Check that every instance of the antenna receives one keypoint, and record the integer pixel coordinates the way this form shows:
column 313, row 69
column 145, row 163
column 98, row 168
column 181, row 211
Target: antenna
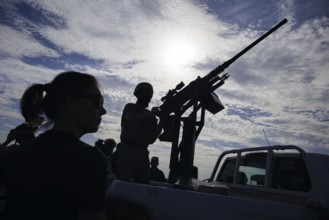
column 266, row 138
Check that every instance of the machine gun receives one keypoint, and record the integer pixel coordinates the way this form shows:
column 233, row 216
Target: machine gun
column 198, row 94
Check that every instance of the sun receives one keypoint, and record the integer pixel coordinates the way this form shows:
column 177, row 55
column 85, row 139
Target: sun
column 178, row 52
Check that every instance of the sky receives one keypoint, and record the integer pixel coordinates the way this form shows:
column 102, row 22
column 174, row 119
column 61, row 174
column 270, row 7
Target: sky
column 279, row 88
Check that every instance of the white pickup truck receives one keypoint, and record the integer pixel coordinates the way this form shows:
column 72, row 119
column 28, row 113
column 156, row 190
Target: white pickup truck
column 278, row 182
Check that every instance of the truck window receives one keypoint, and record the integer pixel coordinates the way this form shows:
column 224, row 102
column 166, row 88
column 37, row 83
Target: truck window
column 254, row 166
column 255, row 176
column 226, row 174
column 251, row 171
column 290, row 174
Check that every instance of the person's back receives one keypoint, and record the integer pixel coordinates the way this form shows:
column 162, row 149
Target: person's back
column 143, row 132
column 157, row 175
column 52, row 177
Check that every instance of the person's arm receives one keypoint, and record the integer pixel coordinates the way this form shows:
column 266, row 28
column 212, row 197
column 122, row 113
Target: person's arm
column 10, row 137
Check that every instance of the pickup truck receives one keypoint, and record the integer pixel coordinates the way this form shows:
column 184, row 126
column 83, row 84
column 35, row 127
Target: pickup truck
column 275, row 182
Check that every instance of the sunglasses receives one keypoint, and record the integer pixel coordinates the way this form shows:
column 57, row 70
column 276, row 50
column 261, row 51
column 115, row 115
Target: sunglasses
column 97, row 99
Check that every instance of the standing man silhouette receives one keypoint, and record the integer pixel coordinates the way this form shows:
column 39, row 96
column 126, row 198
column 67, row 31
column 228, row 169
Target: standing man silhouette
column 139, row 129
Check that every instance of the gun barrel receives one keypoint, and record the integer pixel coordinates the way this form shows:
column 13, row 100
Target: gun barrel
column 226, row 64
column 174, row 100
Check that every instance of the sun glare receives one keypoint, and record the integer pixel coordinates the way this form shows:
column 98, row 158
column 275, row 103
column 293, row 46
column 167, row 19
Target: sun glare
column 178, row 53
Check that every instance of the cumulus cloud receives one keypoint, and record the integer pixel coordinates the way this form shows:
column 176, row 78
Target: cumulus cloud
column 281, row 85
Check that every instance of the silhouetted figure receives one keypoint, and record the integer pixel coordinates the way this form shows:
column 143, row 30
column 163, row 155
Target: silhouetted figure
column 139, row 129
column 57, row 176
column 156, row 173
column 22, row 134
column 25, row 131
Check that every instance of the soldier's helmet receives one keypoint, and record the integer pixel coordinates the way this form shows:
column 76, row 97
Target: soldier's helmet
column 143, row 86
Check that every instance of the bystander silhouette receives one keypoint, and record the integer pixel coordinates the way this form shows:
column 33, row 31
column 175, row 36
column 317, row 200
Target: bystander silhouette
column 156, row 173
column 57, row 176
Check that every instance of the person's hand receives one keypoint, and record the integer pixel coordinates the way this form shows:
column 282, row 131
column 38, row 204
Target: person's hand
column 155, row 111
column 11, row 136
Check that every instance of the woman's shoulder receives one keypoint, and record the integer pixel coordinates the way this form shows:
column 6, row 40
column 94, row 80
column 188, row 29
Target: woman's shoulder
column 60, row 139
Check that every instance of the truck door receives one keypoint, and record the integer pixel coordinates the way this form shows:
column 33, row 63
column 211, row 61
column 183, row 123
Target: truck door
column 284, row 195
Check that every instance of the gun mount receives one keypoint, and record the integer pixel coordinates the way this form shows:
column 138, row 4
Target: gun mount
column 197, row 95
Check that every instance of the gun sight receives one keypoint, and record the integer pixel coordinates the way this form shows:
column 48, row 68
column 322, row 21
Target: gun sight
column 172, row 92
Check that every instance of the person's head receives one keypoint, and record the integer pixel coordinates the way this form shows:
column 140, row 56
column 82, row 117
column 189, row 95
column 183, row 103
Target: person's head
column 72, row 98
column 106, row 146
column 154, row 161
column 110, row 143
column 144, row 93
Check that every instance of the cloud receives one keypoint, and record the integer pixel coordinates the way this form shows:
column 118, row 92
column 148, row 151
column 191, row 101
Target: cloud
column 281, row 85
column 16, row 42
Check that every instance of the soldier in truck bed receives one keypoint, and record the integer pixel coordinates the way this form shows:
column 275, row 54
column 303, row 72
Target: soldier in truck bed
column 139, row 129
column 156, row 173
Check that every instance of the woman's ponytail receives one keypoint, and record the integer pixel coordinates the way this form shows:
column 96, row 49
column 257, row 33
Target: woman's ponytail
column 32, row 102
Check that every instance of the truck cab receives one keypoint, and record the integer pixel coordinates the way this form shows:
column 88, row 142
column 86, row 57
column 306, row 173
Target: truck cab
column 266, row 168
column 282, row 179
